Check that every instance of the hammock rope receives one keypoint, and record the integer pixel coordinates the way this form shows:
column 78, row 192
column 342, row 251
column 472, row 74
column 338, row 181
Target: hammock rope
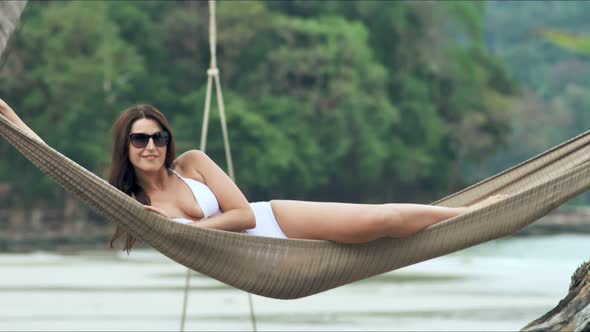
column 213, row 75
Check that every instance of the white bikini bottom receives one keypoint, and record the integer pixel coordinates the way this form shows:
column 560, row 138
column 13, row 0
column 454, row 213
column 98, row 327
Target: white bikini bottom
column 266, row 223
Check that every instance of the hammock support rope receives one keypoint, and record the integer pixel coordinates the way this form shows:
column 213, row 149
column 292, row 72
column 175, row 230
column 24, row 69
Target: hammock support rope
column 292, row 268
column 213, row 74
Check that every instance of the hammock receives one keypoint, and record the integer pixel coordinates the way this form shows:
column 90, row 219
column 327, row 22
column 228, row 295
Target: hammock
column 288, row 268
column 291, row 268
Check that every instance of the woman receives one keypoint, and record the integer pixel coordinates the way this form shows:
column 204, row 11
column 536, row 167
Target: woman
column 192, row 189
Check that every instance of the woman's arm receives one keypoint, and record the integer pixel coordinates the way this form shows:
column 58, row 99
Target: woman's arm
column 237, row 214
column 235, row 220
column 6, row 111
column 232, row 220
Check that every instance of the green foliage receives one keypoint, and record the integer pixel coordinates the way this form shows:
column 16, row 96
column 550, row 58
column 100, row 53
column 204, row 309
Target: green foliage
column 546, row 46
column 70, row 84
column 366, row 101
column 568, row 41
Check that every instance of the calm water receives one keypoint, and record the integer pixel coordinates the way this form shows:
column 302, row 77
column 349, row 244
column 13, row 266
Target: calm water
column 500, row 285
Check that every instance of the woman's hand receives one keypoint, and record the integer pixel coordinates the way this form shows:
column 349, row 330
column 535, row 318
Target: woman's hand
column 4, row 107
column 158, row 211
column 8, row 113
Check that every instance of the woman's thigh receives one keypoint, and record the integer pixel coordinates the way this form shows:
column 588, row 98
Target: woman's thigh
column 341, row 222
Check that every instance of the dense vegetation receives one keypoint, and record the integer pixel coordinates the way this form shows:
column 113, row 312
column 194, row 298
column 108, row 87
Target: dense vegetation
column 360, row 101
column 555, row 103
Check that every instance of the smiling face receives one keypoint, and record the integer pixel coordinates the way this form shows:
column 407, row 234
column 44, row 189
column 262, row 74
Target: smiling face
column 127, row 160
column 150, row 158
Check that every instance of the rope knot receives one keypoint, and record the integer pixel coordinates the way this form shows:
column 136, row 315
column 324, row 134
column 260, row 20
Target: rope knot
column 212, row 72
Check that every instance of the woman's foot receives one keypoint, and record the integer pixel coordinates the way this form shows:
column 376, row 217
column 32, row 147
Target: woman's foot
column 488, row 201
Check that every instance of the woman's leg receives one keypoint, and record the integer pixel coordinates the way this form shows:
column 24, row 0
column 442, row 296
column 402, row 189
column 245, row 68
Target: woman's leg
column 356, row 223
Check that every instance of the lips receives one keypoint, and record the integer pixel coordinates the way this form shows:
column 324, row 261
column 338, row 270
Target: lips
column 150, row 157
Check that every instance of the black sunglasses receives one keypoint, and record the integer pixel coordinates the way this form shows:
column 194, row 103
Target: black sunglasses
column 140, row 140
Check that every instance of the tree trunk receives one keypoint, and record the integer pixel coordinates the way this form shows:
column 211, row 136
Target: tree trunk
column 9, row 14
column 573, row 312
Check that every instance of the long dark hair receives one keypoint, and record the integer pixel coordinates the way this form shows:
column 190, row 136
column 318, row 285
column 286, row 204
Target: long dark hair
column 121, row 172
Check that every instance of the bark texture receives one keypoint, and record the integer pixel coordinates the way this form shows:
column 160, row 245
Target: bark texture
column 9, row 15
column 573, row 312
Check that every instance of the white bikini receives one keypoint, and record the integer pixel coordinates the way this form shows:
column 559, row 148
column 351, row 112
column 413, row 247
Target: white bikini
column 266, row 223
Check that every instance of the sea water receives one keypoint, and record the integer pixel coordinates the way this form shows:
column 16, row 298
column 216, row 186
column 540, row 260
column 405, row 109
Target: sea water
column 500, row 285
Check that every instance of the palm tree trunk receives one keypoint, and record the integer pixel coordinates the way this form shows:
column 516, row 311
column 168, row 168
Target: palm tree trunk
column 9, row 14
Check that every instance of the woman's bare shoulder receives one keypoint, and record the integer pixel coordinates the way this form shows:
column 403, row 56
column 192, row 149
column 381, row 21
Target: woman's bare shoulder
column 187, row 164
column 189, row 158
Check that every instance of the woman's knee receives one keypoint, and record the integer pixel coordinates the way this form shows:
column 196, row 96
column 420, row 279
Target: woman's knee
column 397, row 223
column 380, row 219
column 369, row 225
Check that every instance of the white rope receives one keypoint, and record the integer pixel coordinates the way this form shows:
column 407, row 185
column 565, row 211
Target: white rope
column 213, row 74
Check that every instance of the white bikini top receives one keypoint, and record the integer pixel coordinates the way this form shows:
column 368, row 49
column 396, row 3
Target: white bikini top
column 204, row 196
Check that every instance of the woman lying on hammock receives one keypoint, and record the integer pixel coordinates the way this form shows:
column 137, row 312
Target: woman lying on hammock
column 192, row 189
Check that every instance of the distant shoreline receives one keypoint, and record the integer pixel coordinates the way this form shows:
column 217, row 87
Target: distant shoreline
column 561, row 221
